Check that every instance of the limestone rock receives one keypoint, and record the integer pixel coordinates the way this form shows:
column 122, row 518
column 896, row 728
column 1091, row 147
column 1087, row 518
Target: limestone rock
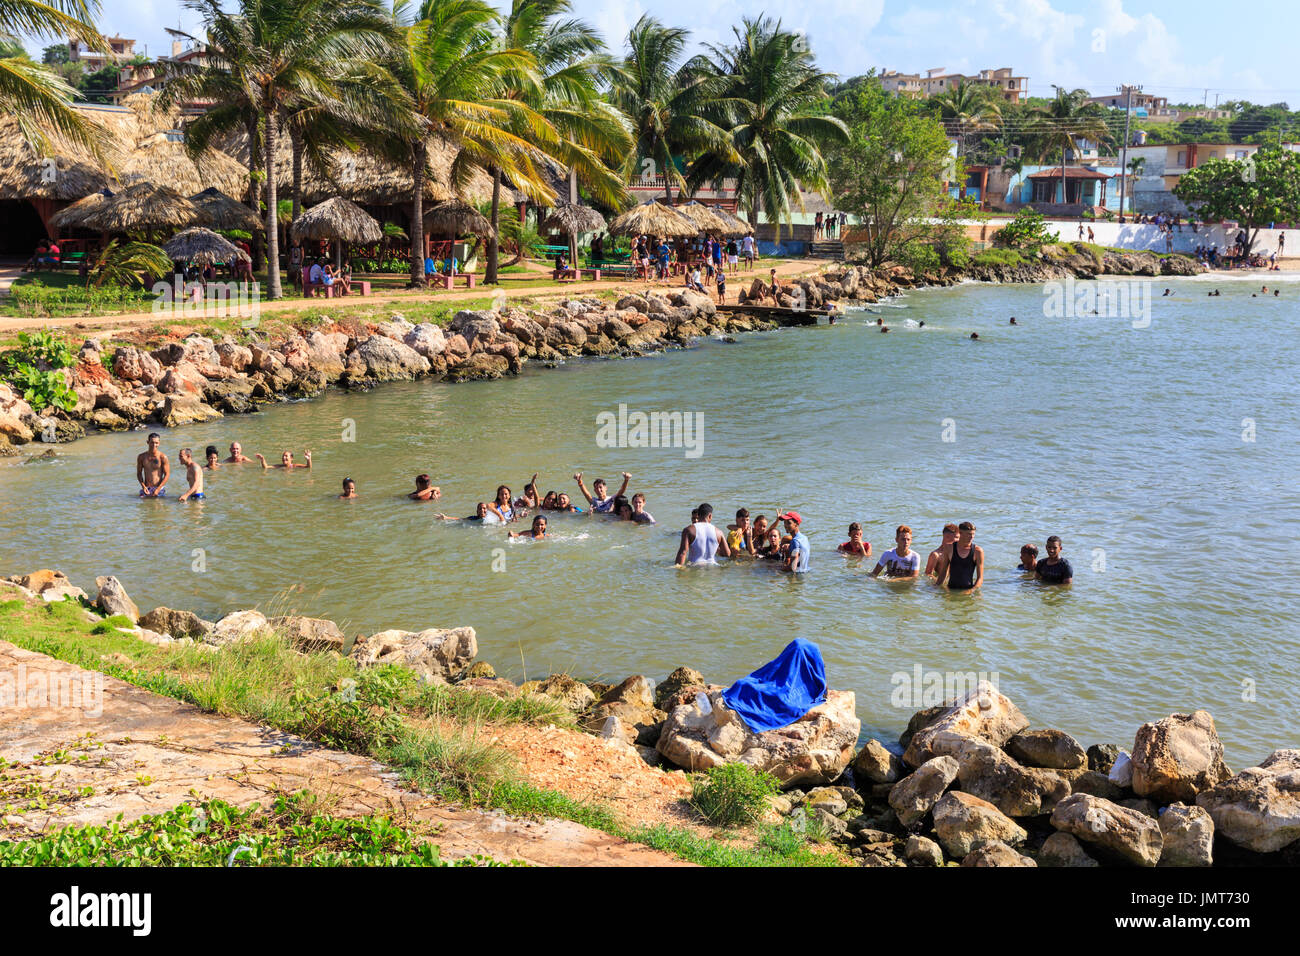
column 990, row 774
column 1102, row 757
column 1176, row 758
column 573, row 694
column 236, row 626
column 814, row 749
column 963, row 822
column 1052, row 749
column 914, row 795
column 385, row 360
column 996, row 853
column 633, row 702
column 1259, row 808
column 479, row 669
column 679, row 687
column 177, row 623
column 1121, row 771
column 309, row 634
column 1188, row 836
column 876, row 763
column 1062, row 849
column 1131, row 836
column 180, row 410
column 43, row 580
column 437, row 655
column 921, row 851
column 983, row 713
column 113, row 599
column 427, row 339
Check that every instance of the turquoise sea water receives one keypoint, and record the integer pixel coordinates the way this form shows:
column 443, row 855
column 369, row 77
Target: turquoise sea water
column 1127, row 442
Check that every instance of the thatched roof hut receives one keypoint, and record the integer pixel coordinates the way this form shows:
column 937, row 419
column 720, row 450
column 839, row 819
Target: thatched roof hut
column 202, row 246
column 456, row 218
column 337, row 218
column 224, row 212
column 735, row 225
column 699, row 214
column 146, row 208
column 571, row 219
column 653, row 218
column 75, row 215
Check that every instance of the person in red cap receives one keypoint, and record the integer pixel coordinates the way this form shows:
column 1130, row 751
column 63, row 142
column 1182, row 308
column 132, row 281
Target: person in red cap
column 798, row 552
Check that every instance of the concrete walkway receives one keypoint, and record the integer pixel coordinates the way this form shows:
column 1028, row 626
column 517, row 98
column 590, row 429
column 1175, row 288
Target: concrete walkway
column 146, row 754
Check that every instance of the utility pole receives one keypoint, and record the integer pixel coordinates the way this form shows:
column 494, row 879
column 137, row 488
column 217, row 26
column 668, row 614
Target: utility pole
column 1123, row 160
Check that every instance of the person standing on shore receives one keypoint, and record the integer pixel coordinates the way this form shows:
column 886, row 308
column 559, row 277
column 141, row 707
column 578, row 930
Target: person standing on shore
column 701, row 541
column 152, row 469
column 962, row 566
column 1054, row 569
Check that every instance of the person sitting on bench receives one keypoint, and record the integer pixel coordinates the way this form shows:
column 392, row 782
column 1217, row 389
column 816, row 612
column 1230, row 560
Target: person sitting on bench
column 430, row 269
column 562, row 268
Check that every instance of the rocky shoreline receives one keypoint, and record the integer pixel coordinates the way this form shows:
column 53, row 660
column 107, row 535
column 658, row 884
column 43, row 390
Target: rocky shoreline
column 198, row 379
column 968, row 783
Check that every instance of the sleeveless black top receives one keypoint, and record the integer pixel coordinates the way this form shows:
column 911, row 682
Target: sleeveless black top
column 961, row 571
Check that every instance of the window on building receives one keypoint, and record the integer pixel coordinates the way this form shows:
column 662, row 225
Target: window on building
column 1182, row 157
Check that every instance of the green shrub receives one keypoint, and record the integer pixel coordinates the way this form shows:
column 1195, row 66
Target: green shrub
column 998, row 257
column 733, row 794
column 920, row 257
column 1027, row 231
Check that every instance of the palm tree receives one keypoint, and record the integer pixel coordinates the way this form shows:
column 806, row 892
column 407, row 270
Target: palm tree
column 666, row 101
column 1062, row 124
column 592, row 138
column 966, row 108
column 454, row 70
column 290, row 51
column 38, row 99
column 774, row 105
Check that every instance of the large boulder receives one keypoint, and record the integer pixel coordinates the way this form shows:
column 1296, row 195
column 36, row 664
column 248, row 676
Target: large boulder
column 183, row 378
column 876, row 763
column 963, row 822
column 813, row 750
column 679, row 687
column 1176, row 758
column 633, row 703
column 309, row 634
column 996, row 853
column 14, row 415
column 113, row 599
column 427, row 339
column 990, row 774
column 914, row 796
column 982, row 713
column 1188, row 836
column 573, row 694
column 325, row 353
column 180, row 410
column 236, row 626
column 1115, row 831
column 1259, row 808
column 1063, row 849
column 178, row 624
column 1053, row 749
column 479, row 329
column 382, row 359
column 133, row 365
column 438, row 655
column 234, row 356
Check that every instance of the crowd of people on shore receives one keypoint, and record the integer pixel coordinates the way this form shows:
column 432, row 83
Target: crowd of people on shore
column 703, row 263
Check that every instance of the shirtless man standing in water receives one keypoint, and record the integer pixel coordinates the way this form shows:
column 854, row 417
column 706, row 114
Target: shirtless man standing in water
column 193, row 475
column 152, row 469
column 962, row 564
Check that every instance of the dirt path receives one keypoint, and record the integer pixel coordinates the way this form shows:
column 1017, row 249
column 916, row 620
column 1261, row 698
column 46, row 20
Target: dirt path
column 510, row 285
column 147, row 753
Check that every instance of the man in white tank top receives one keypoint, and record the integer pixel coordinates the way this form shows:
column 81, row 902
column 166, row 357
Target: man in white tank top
column 701, row 541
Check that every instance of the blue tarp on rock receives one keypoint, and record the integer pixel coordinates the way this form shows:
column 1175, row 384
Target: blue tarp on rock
column 781, row 691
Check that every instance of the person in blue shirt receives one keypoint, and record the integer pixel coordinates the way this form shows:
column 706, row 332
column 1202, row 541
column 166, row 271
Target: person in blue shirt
column 430, row 267
column 796, row 558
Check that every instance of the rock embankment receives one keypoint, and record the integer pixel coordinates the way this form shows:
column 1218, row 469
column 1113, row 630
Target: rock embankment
column 969, row 782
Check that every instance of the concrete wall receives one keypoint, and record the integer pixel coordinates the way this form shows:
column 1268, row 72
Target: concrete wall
column 1130, row 236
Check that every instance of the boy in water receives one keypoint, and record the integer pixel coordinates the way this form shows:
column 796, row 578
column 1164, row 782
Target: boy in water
column 425, row 490
column 193, row 474
column 1054, row 569
column 798, row 552
column 477, row 517
column 1028, row 558
column 237, row 455
column 599, row 498
column 152, row 469
column 899, row 561
column 855, row 545
column 948, row 537
column 740, row 535
column 701, row 541
column 639, row 514
column 537, row 531
column 286, row 461
column 962, row 565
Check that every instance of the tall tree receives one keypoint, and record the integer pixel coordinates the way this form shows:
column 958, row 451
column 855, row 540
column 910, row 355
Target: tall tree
column 666, row 100
column 1261, row 189
column 967, row 108
column 774, row 107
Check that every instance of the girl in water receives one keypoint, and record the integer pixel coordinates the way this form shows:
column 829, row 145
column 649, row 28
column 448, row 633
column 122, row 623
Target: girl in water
column 500, row 507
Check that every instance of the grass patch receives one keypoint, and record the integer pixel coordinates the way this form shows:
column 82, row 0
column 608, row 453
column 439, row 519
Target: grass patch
column 733, row 794
column 998, row 257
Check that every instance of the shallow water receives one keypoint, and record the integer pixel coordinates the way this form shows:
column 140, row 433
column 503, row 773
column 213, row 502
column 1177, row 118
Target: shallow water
column 1126, row 442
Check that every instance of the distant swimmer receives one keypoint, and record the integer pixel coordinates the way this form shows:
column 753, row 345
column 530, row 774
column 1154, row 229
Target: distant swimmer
column 1013, row 320
column 1165, row 293
column 152, row 469
column 237, row 455
column 884, row 328
column 286, row 461
column 349, row 489
column 921, row 324
column 765, row 538
column 701, row 541
column 536, row 532
column 899, row 561
column 740, row 536
column 213, row 458
column 500, row 506
column 639, row 514
column 193, row 475
column 601, row 501
column 880, row 321
column 974, row 335
column 1054, row 569
column 425, row 489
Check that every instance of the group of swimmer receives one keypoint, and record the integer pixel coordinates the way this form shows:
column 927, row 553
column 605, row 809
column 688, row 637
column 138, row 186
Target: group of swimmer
column 153, row 469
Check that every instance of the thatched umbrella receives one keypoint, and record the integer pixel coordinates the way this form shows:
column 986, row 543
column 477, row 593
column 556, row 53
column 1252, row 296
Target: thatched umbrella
column 339, row 221
column 225, row 212
column 145, row 208
column 202, row 246
column 735, row 225
column 653, row 218
column 699, row 214
column 456, row 218
column 75, row 215
column 573, row 219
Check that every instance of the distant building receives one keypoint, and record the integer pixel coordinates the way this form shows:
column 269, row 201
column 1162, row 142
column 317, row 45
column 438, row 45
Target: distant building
column 152, row 77
column 119, row 49
column 1156, row 109
column 1004, row 82
column 1164, row 166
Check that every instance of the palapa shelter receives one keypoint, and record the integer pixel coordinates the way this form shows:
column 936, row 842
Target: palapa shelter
column 735, row 225
column 74, row 216
column 653, row 218
column 223, row 212
column 203, row 247
column 145, row 208
column 573, row 219
column 337, row 220
column 455, row 218
column 699, row 214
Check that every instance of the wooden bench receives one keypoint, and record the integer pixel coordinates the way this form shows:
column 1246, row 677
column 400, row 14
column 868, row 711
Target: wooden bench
column 550, row 252
column 449, row 281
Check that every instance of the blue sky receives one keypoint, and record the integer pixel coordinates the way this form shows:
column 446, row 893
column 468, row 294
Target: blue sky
column 1174, row 48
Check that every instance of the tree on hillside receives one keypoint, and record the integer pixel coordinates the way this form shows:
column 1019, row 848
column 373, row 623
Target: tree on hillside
column 891, row 170
column 967, row 108
column 1261, row 189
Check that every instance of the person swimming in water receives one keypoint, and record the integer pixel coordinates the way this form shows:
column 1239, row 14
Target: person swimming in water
column 537, row 531
column 213, row 458
column 425, row 489
column 193, row 474
column 152, row 469
column 639, row 514
column 600, row 500
column 701, row 542
column 855, row 546
column 286, row 461
column 899, row 561
column 501, row 505
column 1013, row 320
column 740, row 535
column 765, row 539
column 946, row 538
column 1054, row 569
column 478, row 516
column 237, row 455
column 349, row 489
column 1028, row 558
